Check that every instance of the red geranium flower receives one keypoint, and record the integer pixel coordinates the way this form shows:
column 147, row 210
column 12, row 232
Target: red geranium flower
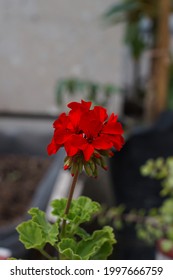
column 86, row 134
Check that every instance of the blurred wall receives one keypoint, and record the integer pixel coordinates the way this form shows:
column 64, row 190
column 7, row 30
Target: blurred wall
column 42, row 41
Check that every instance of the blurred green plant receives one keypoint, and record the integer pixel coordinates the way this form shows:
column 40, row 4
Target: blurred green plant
column 140, row 37
column 162, row 217
column 132, row 12
column 157, row 223
column 96, row 92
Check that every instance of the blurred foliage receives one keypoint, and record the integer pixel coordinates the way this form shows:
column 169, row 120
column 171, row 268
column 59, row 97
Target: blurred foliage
column 141, row 19
column 160, row 169
column 157, row 223
column 137, row 37
column 132, row 12
column 96, row 92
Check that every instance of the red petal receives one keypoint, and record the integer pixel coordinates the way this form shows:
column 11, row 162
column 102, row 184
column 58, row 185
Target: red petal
column 74, row 144
column 102, row 143
column 84, row 106
column 118, row 141
column 90, row 125
column 52, row 148
column 74, row 119
column 100, row 113
column 61, row 121
column 61, row 136
column 70, row 149
column 113, row 129
column 88, row 150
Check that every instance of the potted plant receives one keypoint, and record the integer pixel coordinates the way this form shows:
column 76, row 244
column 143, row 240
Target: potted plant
column 153, row 226
column 158, row 224
column 87, row 135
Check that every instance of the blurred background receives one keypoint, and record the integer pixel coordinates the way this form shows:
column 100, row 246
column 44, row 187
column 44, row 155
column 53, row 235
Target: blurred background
column 44, row 41
column 117, row 53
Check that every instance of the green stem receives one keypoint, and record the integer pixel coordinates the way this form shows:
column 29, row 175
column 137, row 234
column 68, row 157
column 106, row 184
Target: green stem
column 57, row 250
column 70, row 196
column 45, row 254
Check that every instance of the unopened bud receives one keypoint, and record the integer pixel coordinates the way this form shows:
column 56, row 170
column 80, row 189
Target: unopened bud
column 103, row 164
column 80, row 166
column 66, row 167
column 74, row 169
column 95, row 173
column 92, row 165
column 98, row 161
column 97, row 154
column 111, row 154
column 67, row 162
column 88, row 169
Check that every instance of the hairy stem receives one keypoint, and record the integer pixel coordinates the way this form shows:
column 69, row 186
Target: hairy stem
column 45, row 254
column 70, row 196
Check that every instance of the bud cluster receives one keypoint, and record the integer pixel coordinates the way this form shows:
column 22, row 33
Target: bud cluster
column 77, row 163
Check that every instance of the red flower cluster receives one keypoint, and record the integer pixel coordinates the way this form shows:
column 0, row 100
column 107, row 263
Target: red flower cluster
column 86, row 133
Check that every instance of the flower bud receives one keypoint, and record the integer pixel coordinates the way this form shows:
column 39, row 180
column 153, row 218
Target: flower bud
column 95, row 173
column 80, row 166
column 98, row 161
column 97, row 154
column 103, row 164
column 74, row 168
column 88, row 169
column 66, row 167
column 92, row 165
column 67, row 162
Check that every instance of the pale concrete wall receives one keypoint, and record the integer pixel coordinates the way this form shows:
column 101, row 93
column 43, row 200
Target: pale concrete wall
column 44, row 40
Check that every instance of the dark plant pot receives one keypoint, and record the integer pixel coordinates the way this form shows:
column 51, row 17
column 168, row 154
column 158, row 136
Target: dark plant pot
column 133, row 108
column 27, row 140
column 134, row 190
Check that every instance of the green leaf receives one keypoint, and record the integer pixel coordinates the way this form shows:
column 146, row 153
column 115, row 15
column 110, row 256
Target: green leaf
column 71, row 85
column 30, row 235
column 147, row 168
column 109, row 89
column 166, row 245
column 170, row 233
column 81, row 210
column 118, row 224
column 121, row 8
column 103, row 252
column 59, row 91
column 83, row 234
column 67, row 248
column 59, row 207
column 97, row 246
column 166, row 210
column 49, row 232
column 134, row 40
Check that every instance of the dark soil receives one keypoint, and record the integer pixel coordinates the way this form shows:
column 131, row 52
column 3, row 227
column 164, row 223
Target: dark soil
column 19, row 178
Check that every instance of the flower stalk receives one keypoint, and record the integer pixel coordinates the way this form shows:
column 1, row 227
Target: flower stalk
column 70, row 196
